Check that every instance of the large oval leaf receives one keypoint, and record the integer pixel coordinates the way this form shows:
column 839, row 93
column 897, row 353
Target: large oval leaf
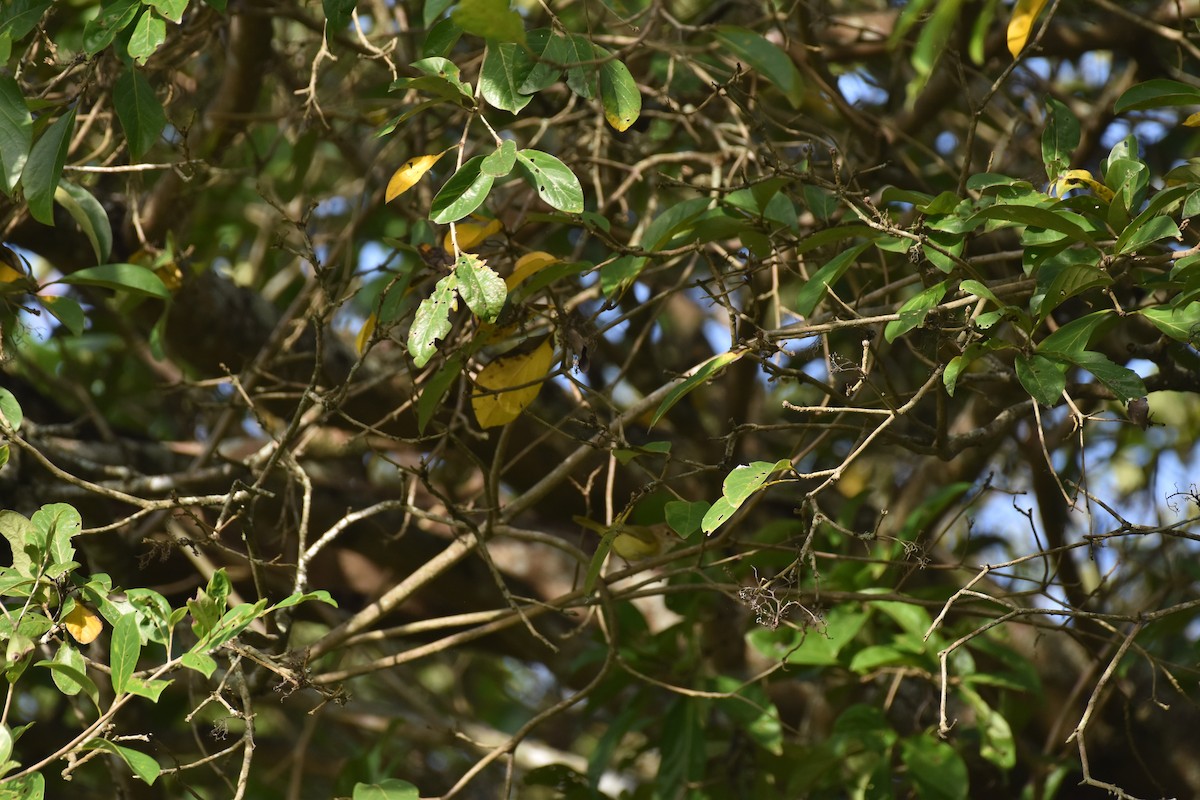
column 463, row 193
column 525, row 373
column 553, row 180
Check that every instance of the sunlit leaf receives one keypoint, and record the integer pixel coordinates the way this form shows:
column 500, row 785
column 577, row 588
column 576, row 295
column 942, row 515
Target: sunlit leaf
column 44, row 167
column 148, row 35
column 527, row 265
column 1074, row 178
column 501, row 77
column 121, row 277
column 463, row 193
column 470, row 235
column 89, row 215
column 139, row 110
column 1181, row 324
column 432, row 321
column 619, row 94
column 555, row 183
column 16, row 133
column 83, row 624
column 1020, row 25
column 364, row 333
column 489, row 19
column 409, row 173
column 480, row 287
column 1042, row 378
column 497, row 401
column 125, row 649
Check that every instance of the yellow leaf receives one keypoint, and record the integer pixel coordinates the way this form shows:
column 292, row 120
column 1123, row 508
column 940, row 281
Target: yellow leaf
column 407, row 176
column 1025, row 12
column 1193, row 120
column 527, row 265
column 498, row 407
column 1073, row 178
column 83, row 624
column 470, row 235
column 364, row 334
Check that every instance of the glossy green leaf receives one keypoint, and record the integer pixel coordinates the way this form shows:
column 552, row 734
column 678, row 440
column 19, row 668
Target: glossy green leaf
column 765, row 58
column 1062, row 221
column 69, row 672
column 555, row 183
column 620, row 273
column 338, row 14
column 143, row 765
column 501, row 77
column 1042, row 378
column 435, row 389
column 113, row 18
column 1181, row 324
column 140, row 112
column 1157, row 93
column 548, row 53
column 717, row 515
column 480, row 287
column 10, row 409
column 489, row 19
column 124, row 651
column 685, row 517
column 463, row 193
column 702, row 374
column 121, row 277
column 1154, row 230
column 89, row 215
column 1063, row 278
column 171, row 9
column 148, row 35
column 619, row 94
column 441, row 39
column 914, row 311
column 742, row 482
column 501, row 162
column 433, row 320
column 44, row 167
column 581, row 78
column 1123, row 382
column 19, row 17
column 434, row 9
column 16, row 134
column 1076, row 334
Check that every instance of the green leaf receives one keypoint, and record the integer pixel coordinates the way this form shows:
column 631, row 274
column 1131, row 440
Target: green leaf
column 45, row 165
column 433, row 320
column 434, row 9
column 6, row 743
column 296, row 598
column 463, row 193
column 143, row 766
column 501, row 162
column 935, row 768
column 1064, row 277
column 1059, row 140
column 1181, row 324
column 171, row 9
column 765, row 58
column 16, row 134
column 441, row 39
column 619, row 95
column 548, row 52
column 124, row 651
column 501, row 76
column 148, row 35
column 69, row 673
column 435, row 389
column 745, row 480
column 1042, row 378
column 1121, row 381
column 387, row 789
column 113, row 18
column 121, row 277
column 914, row 311
column 338, row 14
column 151, row 690
column 1060, row 221
column 489, row 19
column 752, row 709
column 1076, row 334
column 553, row 180
column 1157, row 93
column 139, row 110
column 717, row 515
column 703, row 373
column 20, row 17
column 200, row 662
column 67, row 311
column 677, row 219
column 813, row 292
column 683, row 745
column 482, row 289
column 58, row 523
column 996, row 737
column 23, row 541
column 621, row 273
column 684, row 517
column 581, row 78
column 1133, row 238
column 10, row 409
column 89, row 215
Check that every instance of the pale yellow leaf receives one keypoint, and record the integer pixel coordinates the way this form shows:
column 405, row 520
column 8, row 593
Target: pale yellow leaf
column 1073, row 178
column 364, row 334
column 83, row 624
column 527, row 265
column 1193, row 120
column 1025, row 13
column 409, row 173
column 496, row 407
column 470, row 235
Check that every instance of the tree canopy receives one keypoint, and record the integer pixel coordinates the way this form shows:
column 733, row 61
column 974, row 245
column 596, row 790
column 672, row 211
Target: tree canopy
column 605, row 398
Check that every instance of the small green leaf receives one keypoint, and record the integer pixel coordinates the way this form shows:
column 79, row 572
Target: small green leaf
column 1157, row 93
column 296, row 598
column 23, row 539
column 16, row 134
column 935, row 768
column 501, row 162
column 765, row 58
column 619, row 94
column 200, row 662
column 435, row 389
column 432, row 321
column 148, row 35
column 69, row 673
column 121, row 277
column 463, row 193
column 140, row 112
column 702, row 374
column 620, row 273
column 125, row 649
column 1042, row 378
column 434, row 9
column 10, row 409
column 67, row 311
column 1123, row 382
column 685, row 518
column 553, row 180
column 501, row 76
column 89, row 215
column 1059, row 139
column 914, row 311
column 1181, row 324
column 171, row 9
column 387, row 789
column 813, row 292
column 143, row 766
column 45, row 165
column 747, row 479
column 489, row 19
column 58, row 523
column 113, row 18
column 441, row 39
column 481, row 288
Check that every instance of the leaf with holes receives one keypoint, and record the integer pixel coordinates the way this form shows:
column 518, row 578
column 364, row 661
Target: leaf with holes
column 432, row 321
column 553, row 180
column 1042, row 378
column 480, row 287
